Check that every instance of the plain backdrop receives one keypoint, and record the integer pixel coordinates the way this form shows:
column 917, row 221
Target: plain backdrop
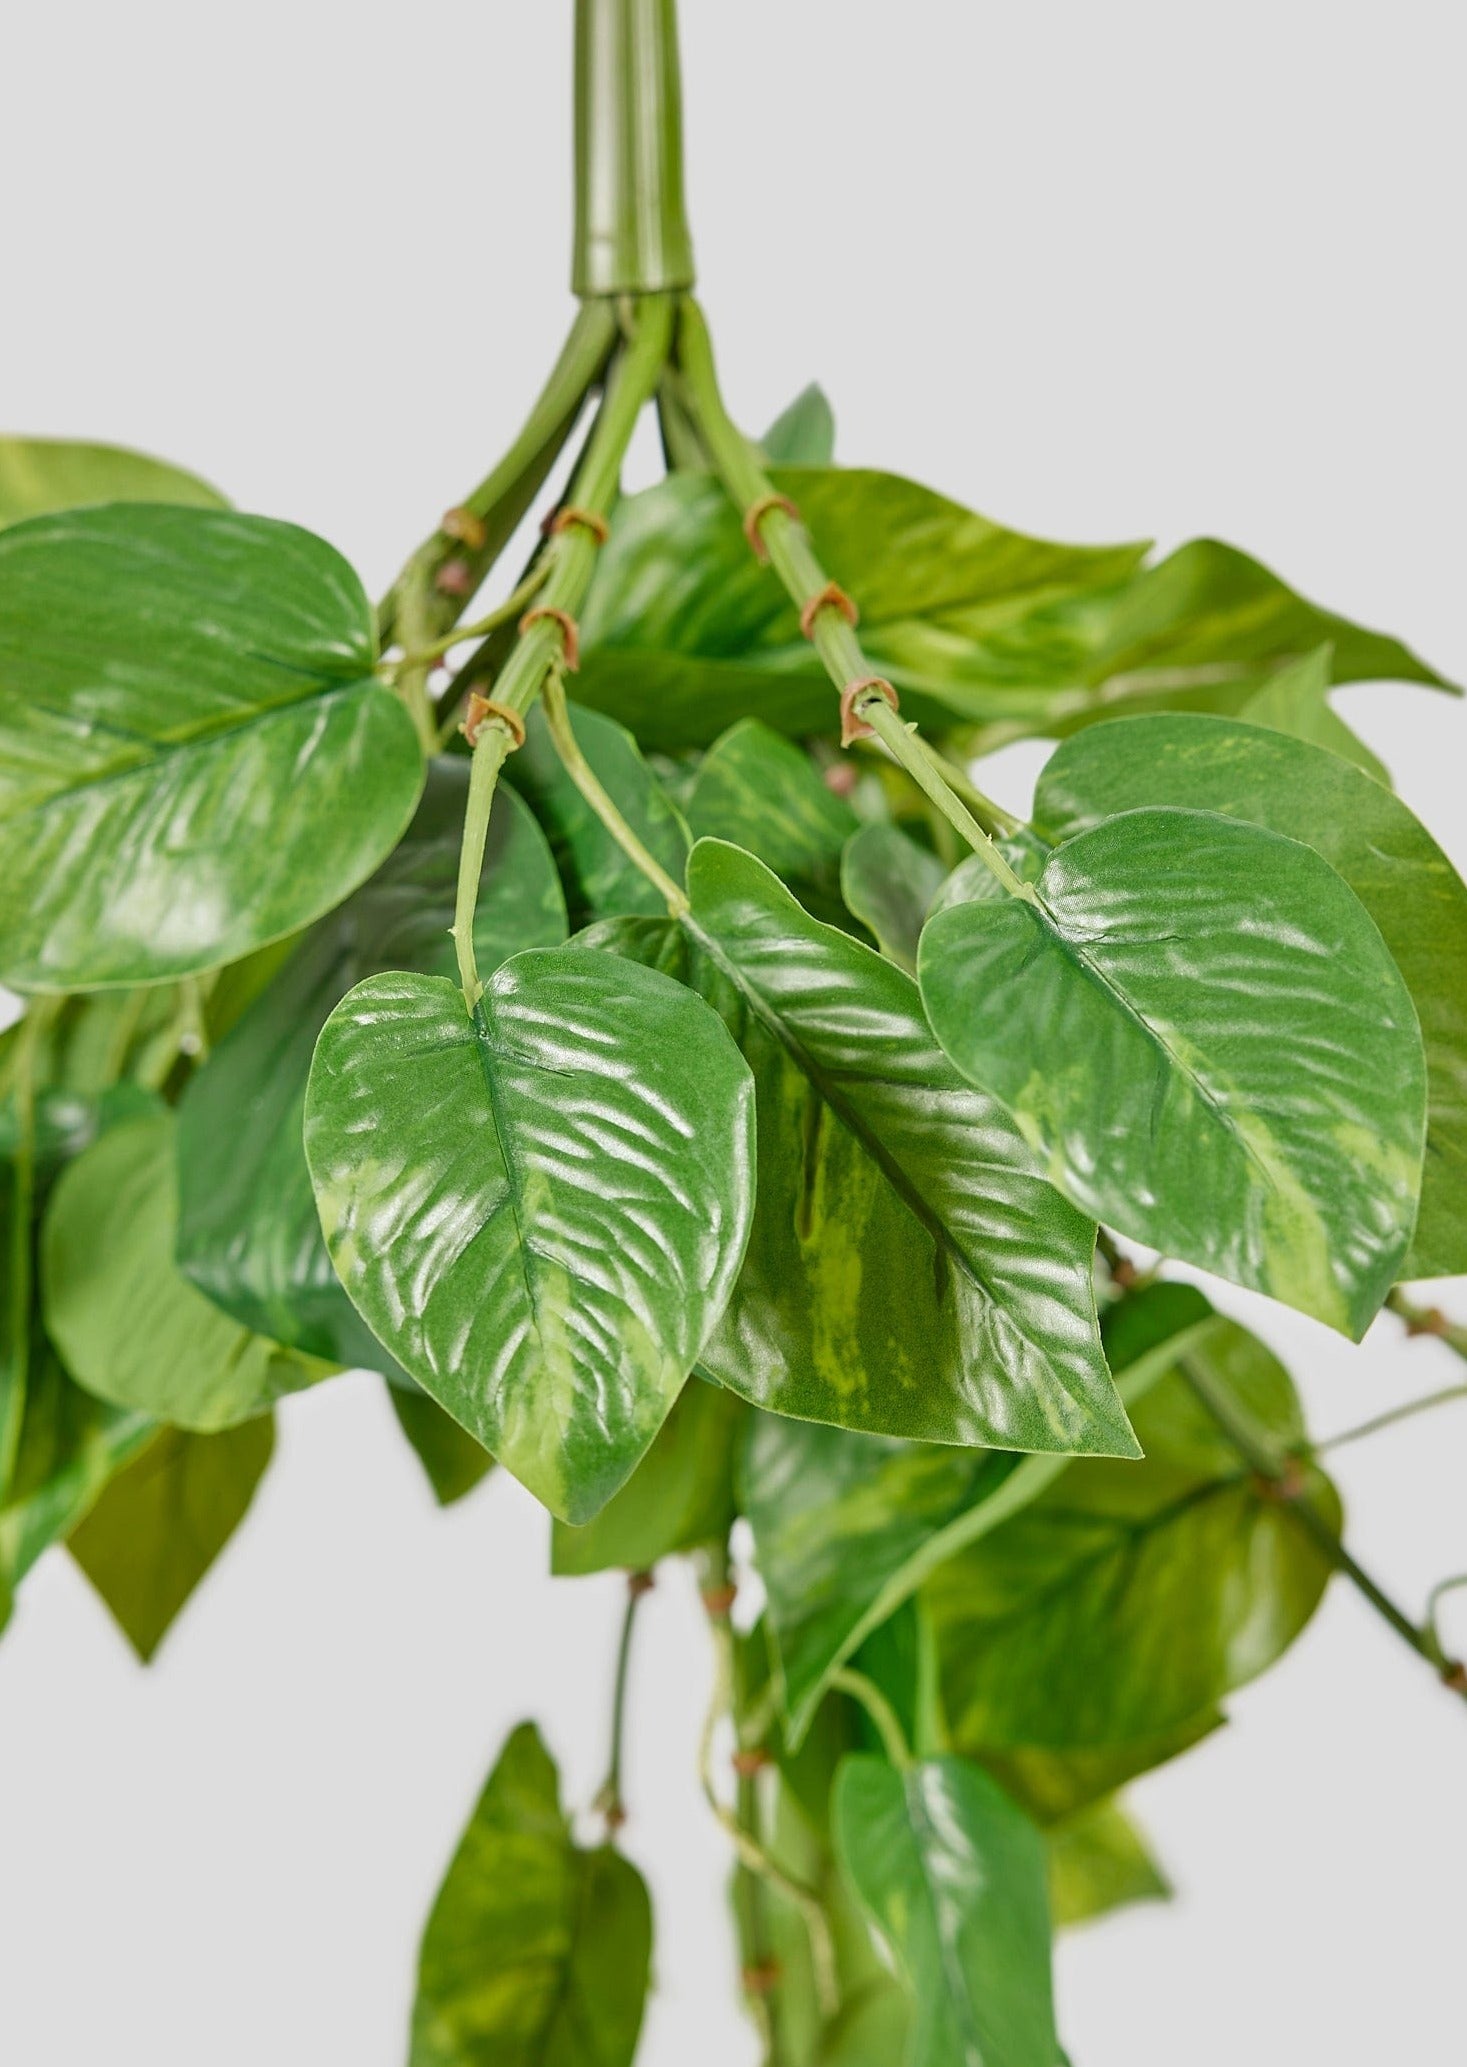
column 1135, row 268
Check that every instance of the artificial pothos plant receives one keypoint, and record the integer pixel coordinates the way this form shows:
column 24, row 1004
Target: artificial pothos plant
column 616, row 1016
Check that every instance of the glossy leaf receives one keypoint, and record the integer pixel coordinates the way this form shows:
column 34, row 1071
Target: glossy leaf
column 128, row 1325
column 909, row 1271
column 1368, row 836
column 453, row 1460
column 1201, row 1030
column 539, row 1212
column 846, row 1527
column 1098, row 1863
column 685, row 633
column 196, row 756
column 599, row 879
column 1296, row 701
column 161, row 1522
column 249, row 1234
column 954, row 1878
column 1125, row 1603
column 680, row 1495
column 804, row 434
column 536, row 1953
column 889, row 882
column 39, row 475
column 757, row 791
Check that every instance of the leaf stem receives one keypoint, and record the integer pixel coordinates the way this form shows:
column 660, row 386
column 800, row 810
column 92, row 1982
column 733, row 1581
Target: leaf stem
column 781, row 534
column 490, row 754
column 883, row 1715
column 1389, row 1419
column 581, row 773
column 611, row 1801
column 22, row 1175
column 512, row 607
column 1428, row 1320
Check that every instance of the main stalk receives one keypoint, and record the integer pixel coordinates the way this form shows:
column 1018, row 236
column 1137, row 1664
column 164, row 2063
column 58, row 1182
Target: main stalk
column 631, row 225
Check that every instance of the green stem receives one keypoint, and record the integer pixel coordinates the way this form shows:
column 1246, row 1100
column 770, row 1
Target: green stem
column 1389, row 1419
column 631, row 232
column 513, row 606
column 1428, row 1320
column 738, row 464
column 581, row 773
column 611, row 1801
column 15, row 1368
column 490, row 753
column 991, row 816
column 881, row 1712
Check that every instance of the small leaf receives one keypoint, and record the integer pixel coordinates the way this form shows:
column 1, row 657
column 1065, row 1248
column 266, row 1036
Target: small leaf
column 759, row 792
column 909, row 1271
column 162, row 1521
column 540, row 1211
column 249, row 1234
column 536, row 1953
column 889, row 882
column 1296, row 701
column 1202, row 1032
column 197, row 758
column 804, row 434
column 599, row 879
column 454, row 1462
column 39, row 475
column 1125, row 1604
column 1099, row 1863
column 1368, row 836
column 70, row 1445
column 127, row 1323
column 680, row 1495
column 953, row 1876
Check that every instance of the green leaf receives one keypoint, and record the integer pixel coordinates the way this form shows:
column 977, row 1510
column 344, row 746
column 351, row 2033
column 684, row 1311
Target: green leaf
column 1099, row 1863
column 680, row 1495
column 599, row 880
column 759, row 792
column 847, row 1527
column 127, row 1323
column 804, row 434
column 1125, row 1603
column 195, row 757
column 909, row 1272
column 454, row 1462
column 953, row 1876
column 889, row 882
column 1052, row 1787
column 1202, row 1032
column 685, row 632
column 70, row 1445
column 1368, row 836
column 540, row 1211
column 249, row 1234
column 39, row 475
column 536, row 1953
column 162, row 1521
column 1296, row 701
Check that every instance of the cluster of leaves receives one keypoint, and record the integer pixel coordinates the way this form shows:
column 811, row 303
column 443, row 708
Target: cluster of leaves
column 780, row 1204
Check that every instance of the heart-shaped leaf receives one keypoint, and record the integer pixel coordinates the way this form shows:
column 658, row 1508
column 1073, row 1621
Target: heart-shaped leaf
column 195, row 757
column 540, row 1211
column 38, row 475
column 910, row 1271
column 954, row 1878
column 889, row 882
column 1368, row 836
column 249, row 1233
column 1201, row 1030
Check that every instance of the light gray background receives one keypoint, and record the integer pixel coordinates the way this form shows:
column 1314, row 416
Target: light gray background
column 1100, row 270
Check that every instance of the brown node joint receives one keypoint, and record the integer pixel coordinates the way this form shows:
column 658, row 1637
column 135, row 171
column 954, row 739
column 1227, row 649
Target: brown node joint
column 481, row 709
column 747, row 1763
column 853, row 727
column 455, row 578
column 831, row 597
column 1124, row 1274
column 718, row 1600
column 762, row 1979
column 840, row 778
column 1430, row 1322
column 573, row 518
column 615, row 1815
column 1284, row 1485
column 1454, row 1675
column 639, row 1583
column 754, row 516
column 570, row 632
column 463, row 525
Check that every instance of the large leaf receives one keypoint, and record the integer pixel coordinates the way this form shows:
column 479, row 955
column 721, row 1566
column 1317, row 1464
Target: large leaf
column 757, row 791
column 128, row 1324
column 1387, row 857
column 846, row 1527
column 249, row 1234
column 539, row 1211
column 600, row 880
column 1199, row 1027
column 1054, row 1787
column 1099, row 1862
column 195, row 757
column 536, row 1953
column 954, row 1878
column 39, row 475
column 680, row 1495
column 910, row 1272
column 1126, row 1602
column 889, row 882
column 1296, row 701
column 686, row 633
column 162, row 1521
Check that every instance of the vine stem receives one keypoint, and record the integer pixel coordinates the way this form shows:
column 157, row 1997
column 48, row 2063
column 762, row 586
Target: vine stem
column 782, row 536
column 512, row 607
column 611, row 1800
column 883, row 1715
column 581, row 773
column 1428, row 1321
column 22, row 1205
column 570, row 557
column 1404, row 1412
